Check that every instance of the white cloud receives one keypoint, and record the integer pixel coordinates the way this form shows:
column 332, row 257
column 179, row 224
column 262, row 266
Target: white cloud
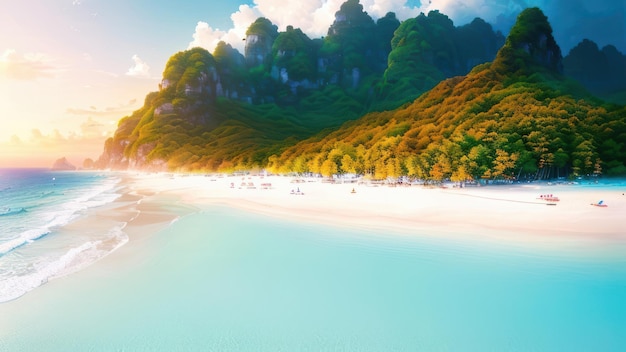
column 90, row 131
column 15, row 140
column 40, row 149
column 7, row 55
column 298, row 14
column 29, row 66
column 205, row 36
column 314, row 17
column 464, row 11
column 139, row 69
column 379, row 8
column 119, row 109
column 93, row 129
column 87, row 57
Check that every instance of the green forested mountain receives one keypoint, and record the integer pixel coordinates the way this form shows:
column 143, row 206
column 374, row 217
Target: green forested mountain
column 602, row 71
column 428, row 49
column 227, row 110
column 515, row 117
column 346, row 103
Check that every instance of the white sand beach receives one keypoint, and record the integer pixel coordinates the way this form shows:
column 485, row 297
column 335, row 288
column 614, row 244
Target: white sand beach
column 515, row 212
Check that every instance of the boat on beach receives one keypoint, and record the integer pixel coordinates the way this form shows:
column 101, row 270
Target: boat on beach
column 600, row 204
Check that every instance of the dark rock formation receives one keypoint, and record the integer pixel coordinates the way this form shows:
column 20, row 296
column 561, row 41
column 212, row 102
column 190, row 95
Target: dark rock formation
column 63, row 165
column 260, row 37
column 530, row 43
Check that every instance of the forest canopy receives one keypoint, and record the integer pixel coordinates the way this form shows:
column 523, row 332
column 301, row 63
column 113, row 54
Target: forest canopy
column 420, row 98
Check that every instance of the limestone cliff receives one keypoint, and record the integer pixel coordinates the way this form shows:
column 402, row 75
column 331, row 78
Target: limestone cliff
column 260, row 37
column 531, row 43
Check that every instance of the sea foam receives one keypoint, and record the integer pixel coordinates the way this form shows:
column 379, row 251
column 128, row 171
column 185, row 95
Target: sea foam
column 57, row 215
column 73, row 260
column 36, row 244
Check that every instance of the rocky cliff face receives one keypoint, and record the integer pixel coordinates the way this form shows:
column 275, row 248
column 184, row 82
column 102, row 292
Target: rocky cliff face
column 530, row 42
column 350, row 50
column 260, row 37
column 231, row 68
column 190, row 83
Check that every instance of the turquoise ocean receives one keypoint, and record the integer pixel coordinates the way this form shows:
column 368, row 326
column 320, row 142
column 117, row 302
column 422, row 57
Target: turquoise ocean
column 35, row 205
column 222, row 279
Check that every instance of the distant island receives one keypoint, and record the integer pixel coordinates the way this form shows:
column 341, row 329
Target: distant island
column 422, row 98
column 63, row 164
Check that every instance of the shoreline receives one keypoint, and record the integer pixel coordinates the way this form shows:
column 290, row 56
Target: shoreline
column 132, row 215
column 509, row 215
column 503, row 213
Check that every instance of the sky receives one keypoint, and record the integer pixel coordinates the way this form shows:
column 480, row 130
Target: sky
column 70, row 69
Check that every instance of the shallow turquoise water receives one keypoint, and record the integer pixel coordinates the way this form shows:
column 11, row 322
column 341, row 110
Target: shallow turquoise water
column 35, row 204
column 226, row 280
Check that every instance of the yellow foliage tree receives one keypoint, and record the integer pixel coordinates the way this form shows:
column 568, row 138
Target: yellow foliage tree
column 348, row 165
column 328, row 168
